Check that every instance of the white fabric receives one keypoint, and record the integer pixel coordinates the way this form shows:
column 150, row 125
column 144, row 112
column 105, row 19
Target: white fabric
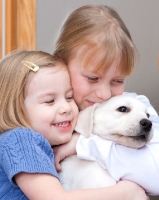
column 137, row 165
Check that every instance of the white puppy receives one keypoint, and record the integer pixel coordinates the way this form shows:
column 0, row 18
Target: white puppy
column 122, row 119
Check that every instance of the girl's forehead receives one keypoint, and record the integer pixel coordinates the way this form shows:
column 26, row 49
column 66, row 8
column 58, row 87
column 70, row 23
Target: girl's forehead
column 113, row 70
column 42, row 76
column 41, row 73
column 95, row 63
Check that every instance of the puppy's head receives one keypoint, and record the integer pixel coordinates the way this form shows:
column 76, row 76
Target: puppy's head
column 122, row 119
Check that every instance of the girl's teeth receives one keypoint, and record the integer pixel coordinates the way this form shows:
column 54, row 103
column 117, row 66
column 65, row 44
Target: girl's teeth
column 62, row 124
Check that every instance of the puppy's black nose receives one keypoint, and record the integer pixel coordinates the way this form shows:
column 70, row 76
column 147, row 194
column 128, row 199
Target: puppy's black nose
column 146, row 124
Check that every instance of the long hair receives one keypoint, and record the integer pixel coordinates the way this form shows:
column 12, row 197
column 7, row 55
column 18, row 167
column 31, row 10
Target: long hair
column 13, row 76
column 102, row 34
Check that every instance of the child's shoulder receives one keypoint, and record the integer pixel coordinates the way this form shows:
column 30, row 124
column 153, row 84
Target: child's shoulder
column 22, row 149
column 22, row 137
column 21, row 133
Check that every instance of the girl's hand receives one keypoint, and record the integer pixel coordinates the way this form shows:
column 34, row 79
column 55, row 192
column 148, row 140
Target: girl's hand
column 64, row 150
column 131, row 191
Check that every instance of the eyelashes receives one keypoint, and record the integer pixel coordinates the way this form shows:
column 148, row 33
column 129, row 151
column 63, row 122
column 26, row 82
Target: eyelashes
column 92, row 79
column 113, row 82
column 52, row 101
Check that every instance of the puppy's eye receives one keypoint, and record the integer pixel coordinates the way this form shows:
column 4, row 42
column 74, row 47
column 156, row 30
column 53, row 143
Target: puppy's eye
column 123, row 109
column 148, row 115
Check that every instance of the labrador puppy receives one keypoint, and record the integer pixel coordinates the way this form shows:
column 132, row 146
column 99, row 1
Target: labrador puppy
column 122, row 119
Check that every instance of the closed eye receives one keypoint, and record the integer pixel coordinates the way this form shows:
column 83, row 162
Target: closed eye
column 118, row 82
column 92, row 79
column 70, row 98
column 123, row 109
column 50, row 101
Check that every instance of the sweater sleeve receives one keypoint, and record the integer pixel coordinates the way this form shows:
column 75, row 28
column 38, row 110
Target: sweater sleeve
column 27, row 151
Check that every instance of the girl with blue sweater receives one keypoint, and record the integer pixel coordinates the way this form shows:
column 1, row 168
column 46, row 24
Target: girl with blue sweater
column 37, row 111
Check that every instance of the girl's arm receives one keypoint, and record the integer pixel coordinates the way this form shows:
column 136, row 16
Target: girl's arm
column 128, row 190
column 138, row 165
column 45, row 186
column 64, row 150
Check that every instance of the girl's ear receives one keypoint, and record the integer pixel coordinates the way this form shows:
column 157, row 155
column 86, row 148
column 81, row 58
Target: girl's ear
column 85, row 121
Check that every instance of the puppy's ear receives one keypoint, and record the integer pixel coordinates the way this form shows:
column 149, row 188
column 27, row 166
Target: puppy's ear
column 84, row 124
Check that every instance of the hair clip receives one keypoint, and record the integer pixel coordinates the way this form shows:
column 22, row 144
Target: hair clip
column 31, row 66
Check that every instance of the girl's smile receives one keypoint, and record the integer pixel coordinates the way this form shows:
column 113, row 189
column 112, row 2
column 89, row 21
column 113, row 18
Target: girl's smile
column 63, row 126
column 50, row 105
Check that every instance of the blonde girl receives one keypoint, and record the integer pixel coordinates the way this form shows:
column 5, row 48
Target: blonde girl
column 37, row 111
column 97, row 47
column 99, row 52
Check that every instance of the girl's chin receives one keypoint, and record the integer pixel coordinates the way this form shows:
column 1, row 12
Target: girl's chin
column 65, row 140
column 84, row 105
column 61, row 141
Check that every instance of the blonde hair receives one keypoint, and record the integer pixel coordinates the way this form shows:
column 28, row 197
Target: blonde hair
column 103, row 34
column 13, row 76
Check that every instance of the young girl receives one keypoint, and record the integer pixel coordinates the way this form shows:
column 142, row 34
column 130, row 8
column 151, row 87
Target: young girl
column 37, row 112
column 99, row 52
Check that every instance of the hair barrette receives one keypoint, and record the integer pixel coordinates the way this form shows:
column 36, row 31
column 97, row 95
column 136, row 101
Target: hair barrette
column 31, row 66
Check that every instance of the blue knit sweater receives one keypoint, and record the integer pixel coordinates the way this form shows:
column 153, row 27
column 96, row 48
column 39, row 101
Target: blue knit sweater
column 22, row 150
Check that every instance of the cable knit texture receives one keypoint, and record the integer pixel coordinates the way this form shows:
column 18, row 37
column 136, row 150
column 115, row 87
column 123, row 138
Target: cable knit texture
column 22, row 150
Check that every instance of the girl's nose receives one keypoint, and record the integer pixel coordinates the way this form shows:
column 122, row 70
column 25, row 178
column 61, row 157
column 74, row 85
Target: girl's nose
column 64, row 107
column 103, row 93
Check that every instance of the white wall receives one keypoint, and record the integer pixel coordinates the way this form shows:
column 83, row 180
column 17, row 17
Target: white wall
column 141, row 18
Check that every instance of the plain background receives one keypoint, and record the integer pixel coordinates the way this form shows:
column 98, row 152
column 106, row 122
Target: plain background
column 142, row 19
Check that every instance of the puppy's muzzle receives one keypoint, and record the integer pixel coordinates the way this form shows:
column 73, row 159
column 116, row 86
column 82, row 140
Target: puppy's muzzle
column 146, row 125
column 144, row 134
